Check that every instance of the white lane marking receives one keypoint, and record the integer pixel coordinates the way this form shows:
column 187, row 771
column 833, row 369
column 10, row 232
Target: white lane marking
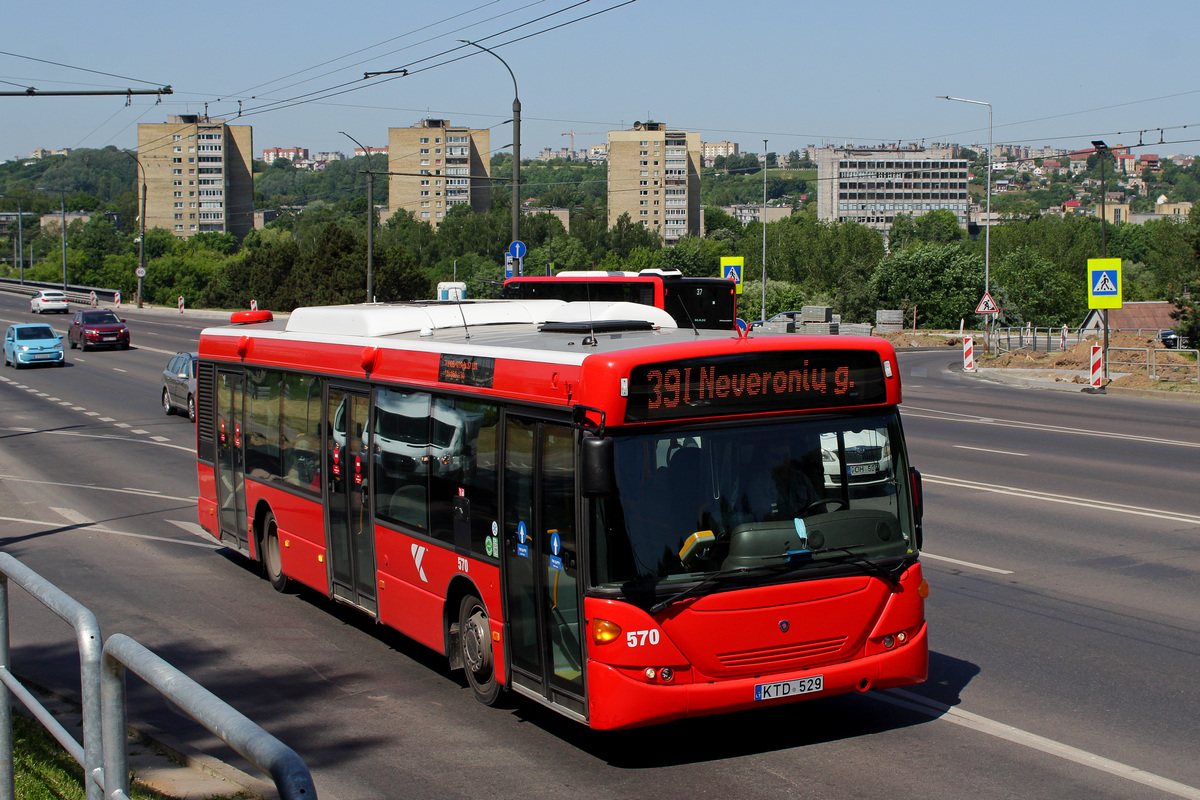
column 160, row 438
column 71, row 515
column 118, row 424
column 93, row 413
column 991, row 450
column 107, row 419
column 953, row 416
column 118, row 369
column 209, row 545
column 1000, row 730
column 970, row 564
column 192, row 528
column 157, row 350
column 1032, row 494
column 138, row 430
column 137, row 492
column 104, row 436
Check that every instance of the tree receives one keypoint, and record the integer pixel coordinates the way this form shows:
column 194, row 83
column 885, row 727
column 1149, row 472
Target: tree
column 903, row 231
column 716, row 220
column 1036, row 291
column 1187, row 313
column 939, row 226
column 942, row 281
column 626, row 236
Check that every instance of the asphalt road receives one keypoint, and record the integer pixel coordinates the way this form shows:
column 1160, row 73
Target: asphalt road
column 1062, row 547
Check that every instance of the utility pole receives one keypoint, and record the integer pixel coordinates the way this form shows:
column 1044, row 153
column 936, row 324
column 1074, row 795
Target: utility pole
column 370, row 219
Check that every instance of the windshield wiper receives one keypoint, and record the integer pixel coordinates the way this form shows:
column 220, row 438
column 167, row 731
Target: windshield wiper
column 892, row 576
column 710, row 580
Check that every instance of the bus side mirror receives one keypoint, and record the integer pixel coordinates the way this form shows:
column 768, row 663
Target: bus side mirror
column 598, row 478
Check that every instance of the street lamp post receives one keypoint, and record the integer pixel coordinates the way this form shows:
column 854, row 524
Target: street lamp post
column 764, row 227
column 63, row 197
column 987, row 234
column 20, row 238
column 516, row 123
column 370, row 219
column 141, row 230
column 1102, row 152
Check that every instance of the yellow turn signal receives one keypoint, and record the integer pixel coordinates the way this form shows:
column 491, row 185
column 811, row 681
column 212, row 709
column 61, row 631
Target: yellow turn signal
column 923, row 589
column 604, row 631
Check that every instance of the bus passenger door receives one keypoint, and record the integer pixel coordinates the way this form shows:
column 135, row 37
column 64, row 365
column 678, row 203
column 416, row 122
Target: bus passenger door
column 541, row 562
column 231, row 460
column 350, row 532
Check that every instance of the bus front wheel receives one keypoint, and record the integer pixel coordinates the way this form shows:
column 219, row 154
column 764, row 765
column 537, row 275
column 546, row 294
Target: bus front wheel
column 272, row 561
column 475, row 647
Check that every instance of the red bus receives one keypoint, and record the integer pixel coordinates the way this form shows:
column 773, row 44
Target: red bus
column 705, row 303
column 627, row 521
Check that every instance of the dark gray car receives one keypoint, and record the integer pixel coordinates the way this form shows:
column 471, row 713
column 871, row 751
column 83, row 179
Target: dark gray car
column 179, row 385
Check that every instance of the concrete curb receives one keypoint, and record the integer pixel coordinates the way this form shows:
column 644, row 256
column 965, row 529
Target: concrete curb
column 1014, row 378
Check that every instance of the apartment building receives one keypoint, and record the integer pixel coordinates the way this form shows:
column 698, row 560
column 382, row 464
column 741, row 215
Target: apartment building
column 290, row 153
column 441, row 166
column 872, row 185
column 710, row 150
column 198, row 175
column 654, row 177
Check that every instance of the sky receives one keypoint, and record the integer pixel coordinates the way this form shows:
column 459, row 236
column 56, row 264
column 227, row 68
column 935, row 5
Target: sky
column 795, row 73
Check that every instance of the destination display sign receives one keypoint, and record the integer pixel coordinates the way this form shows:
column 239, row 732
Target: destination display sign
column 467, row 370
column 781, row 380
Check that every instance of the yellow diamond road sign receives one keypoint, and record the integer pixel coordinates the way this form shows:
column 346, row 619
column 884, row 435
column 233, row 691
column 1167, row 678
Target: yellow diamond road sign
column 1104, row 282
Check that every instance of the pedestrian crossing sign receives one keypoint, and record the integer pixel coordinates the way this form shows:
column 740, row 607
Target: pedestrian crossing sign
column 731, row 268
column 1104, row 282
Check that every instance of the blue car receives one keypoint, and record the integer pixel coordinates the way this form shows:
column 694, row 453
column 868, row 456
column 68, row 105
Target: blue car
column 33, row 343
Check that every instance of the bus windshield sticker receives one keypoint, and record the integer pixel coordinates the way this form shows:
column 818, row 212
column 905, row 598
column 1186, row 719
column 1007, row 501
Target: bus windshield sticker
column 467, row 370
column 779, row 380
column 555, row 547
column 522, row 537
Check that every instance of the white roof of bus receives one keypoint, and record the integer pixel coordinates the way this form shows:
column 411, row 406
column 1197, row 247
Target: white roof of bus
column 382, row 319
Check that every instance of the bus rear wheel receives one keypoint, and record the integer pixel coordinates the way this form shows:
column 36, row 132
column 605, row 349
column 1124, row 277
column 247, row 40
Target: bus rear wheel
column 272, row 560
column 475, row 647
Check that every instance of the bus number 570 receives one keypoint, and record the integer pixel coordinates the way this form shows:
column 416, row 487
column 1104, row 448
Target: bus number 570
column 641, row 638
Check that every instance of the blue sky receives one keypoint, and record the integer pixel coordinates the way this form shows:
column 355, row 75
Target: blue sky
column 794, row 73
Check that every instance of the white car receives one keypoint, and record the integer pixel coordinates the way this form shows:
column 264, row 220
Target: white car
column 49, row 300
column 868, row 458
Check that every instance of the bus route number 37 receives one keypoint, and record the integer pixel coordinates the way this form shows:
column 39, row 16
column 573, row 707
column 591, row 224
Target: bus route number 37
column 641, row 638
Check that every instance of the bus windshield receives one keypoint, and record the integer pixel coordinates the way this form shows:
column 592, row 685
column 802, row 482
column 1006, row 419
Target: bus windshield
column 798, row 493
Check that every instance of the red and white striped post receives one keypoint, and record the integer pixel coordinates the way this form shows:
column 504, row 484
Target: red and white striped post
column 1097, row 365
column 1062, row 339
column 117, row 299
column 254, row 305
column 180, row 304
column 968, row 354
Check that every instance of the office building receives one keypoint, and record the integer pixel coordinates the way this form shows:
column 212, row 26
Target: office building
column 440, row 166
column 654, row 177
column 873, row 185
column 198, row 174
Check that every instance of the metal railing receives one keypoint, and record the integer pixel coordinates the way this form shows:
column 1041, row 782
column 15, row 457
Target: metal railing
column 87, row 636
column 1005, row 340
column 76, row 294
column 104, row 753
column 1151, row 362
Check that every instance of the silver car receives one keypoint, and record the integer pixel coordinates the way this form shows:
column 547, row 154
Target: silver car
column 179, row 385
